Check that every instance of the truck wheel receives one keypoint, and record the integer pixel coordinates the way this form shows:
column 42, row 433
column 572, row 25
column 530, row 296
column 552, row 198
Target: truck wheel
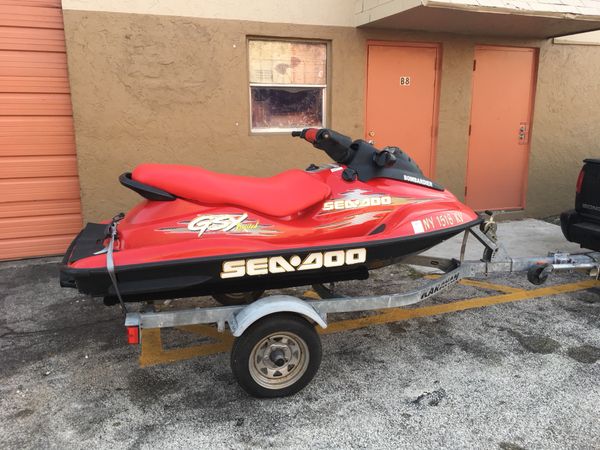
column 276, row 356
column 238, row 298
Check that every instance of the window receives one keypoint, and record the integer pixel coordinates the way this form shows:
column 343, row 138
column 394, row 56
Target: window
column 288, row 84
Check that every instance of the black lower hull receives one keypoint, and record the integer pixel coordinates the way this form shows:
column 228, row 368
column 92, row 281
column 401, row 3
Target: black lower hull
column 202, row 276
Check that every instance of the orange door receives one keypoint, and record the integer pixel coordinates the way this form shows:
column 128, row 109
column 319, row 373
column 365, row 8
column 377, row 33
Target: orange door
column 40, row 210
column 402, row 99
column 503, row 91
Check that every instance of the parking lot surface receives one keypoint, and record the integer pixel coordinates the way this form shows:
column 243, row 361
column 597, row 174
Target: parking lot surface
column 492, row 363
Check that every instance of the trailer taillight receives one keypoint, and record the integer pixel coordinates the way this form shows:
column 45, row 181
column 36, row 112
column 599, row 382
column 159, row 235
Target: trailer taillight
column 133, row 335
column 579, row 181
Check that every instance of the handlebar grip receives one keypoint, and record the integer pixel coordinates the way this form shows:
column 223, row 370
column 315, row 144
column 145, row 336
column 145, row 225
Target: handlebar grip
column 336, row 145
column 308, row 134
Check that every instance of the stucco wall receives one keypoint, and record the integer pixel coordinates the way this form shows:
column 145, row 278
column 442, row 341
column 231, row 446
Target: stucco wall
column 175, row 89
column 565, row 125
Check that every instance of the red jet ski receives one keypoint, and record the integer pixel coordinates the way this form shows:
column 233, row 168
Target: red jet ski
column 204, row 233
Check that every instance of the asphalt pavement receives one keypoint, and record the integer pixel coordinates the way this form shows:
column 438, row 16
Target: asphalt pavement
column 492, row 363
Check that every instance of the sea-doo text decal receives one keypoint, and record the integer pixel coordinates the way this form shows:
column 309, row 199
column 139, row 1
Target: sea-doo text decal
column 222, row 223
column 357, row 203
column 280, row 264
column 360, row 198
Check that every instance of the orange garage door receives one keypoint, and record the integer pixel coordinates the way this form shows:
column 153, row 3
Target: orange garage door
column 40, row 210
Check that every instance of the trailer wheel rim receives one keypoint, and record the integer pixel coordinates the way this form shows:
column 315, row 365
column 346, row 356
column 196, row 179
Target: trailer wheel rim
column 279, row 360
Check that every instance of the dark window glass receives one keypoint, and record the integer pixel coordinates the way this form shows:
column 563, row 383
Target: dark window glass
column 286, row 107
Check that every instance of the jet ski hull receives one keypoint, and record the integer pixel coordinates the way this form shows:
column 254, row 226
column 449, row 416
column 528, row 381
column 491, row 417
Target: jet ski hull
column 240, row 272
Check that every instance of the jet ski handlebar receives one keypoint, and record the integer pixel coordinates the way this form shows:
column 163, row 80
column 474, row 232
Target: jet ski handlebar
column 336, row 145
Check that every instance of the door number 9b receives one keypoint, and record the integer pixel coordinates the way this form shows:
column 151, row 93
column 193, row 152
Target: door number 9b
column 404, row 81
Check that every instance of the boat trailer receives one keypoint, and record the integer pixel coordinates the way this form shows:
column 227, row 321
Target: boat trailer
column 277, row 350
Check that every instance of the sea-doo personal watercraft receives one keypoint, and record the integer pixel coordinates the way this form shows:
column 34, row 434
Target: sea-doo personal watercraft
column 205, row 233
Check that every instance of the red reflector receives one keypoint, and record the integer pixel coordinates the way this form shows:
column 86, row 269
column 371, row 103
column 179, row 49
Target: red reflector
column 133, row 335
column 580, row 181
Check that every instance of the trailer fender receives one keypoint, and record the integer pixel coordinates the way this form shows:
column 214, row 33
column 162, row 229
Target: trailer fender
column 273, row 305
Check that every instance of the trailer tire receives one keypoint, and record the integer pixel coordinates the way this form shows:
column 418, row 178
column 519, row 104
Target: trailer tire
column 238, row 298
column 276, row 356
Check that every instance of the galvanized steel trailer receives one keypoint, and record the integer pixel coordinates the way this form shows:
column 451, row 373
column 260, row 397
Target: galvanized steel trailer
column 277, row 350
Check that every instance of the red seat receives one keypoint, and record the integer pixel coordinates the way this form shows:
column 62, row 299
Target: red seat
column 281, row 195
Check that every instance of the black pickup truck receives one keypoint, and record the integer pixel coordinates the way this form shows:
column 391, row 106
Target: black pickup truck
column 582, row 224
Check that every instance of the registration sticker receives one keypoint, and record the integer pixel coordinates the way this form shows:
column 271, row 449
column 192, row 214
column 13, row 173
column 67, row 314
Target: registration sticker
column 417, row 226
